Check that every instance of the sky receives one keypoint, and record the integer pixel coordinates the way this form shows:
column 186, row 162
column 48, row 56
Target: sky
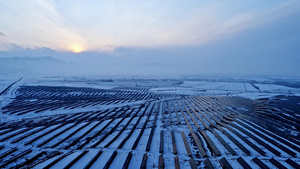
column 157, row 37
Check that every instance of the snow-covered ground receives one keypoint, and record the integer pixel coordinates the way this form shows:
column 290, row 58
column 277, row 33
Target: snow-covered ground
column 105, row 127
column 228, row 89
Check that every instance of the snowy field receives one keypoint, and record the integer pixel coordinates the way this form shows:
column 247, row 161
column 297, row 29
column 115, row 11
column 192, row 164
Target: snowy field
column 229, row 89
column 80, row 122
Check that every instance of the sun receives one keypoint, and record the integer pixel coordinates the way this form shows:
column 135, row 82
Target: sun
column 77, row 49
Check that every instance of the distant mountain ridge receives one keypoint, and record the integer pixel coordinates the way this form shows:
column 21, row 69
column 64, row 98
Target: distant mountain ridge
column 28, row 66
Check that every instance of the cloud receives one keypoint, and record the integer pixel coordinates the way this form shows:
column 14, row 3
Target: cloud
column 32, row 24
column 244, row 21
column 5, row 44
column 107, row 25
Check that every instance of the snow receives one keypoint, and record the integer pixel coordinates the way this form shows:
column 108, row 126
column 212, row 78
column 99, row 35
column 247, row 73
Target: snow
column 64, row 135
column 168, row 148
column 136, row 160
column 119, row 160
column 99, row 163
column 124, row 133
column 143, row 141
column 169, row 162
column 154, row 148
column 152, row 161
column 12, row 132
column 283, row 153
column 191, row 88
column 180, row 144
column 62, row 163
column 82, row 162
column 228, row 89
column 131, row 140
column 217, row 143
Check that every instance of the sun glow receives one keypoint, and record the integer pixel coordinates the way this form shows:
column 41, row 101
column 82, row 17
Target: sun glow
column 77, row 49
